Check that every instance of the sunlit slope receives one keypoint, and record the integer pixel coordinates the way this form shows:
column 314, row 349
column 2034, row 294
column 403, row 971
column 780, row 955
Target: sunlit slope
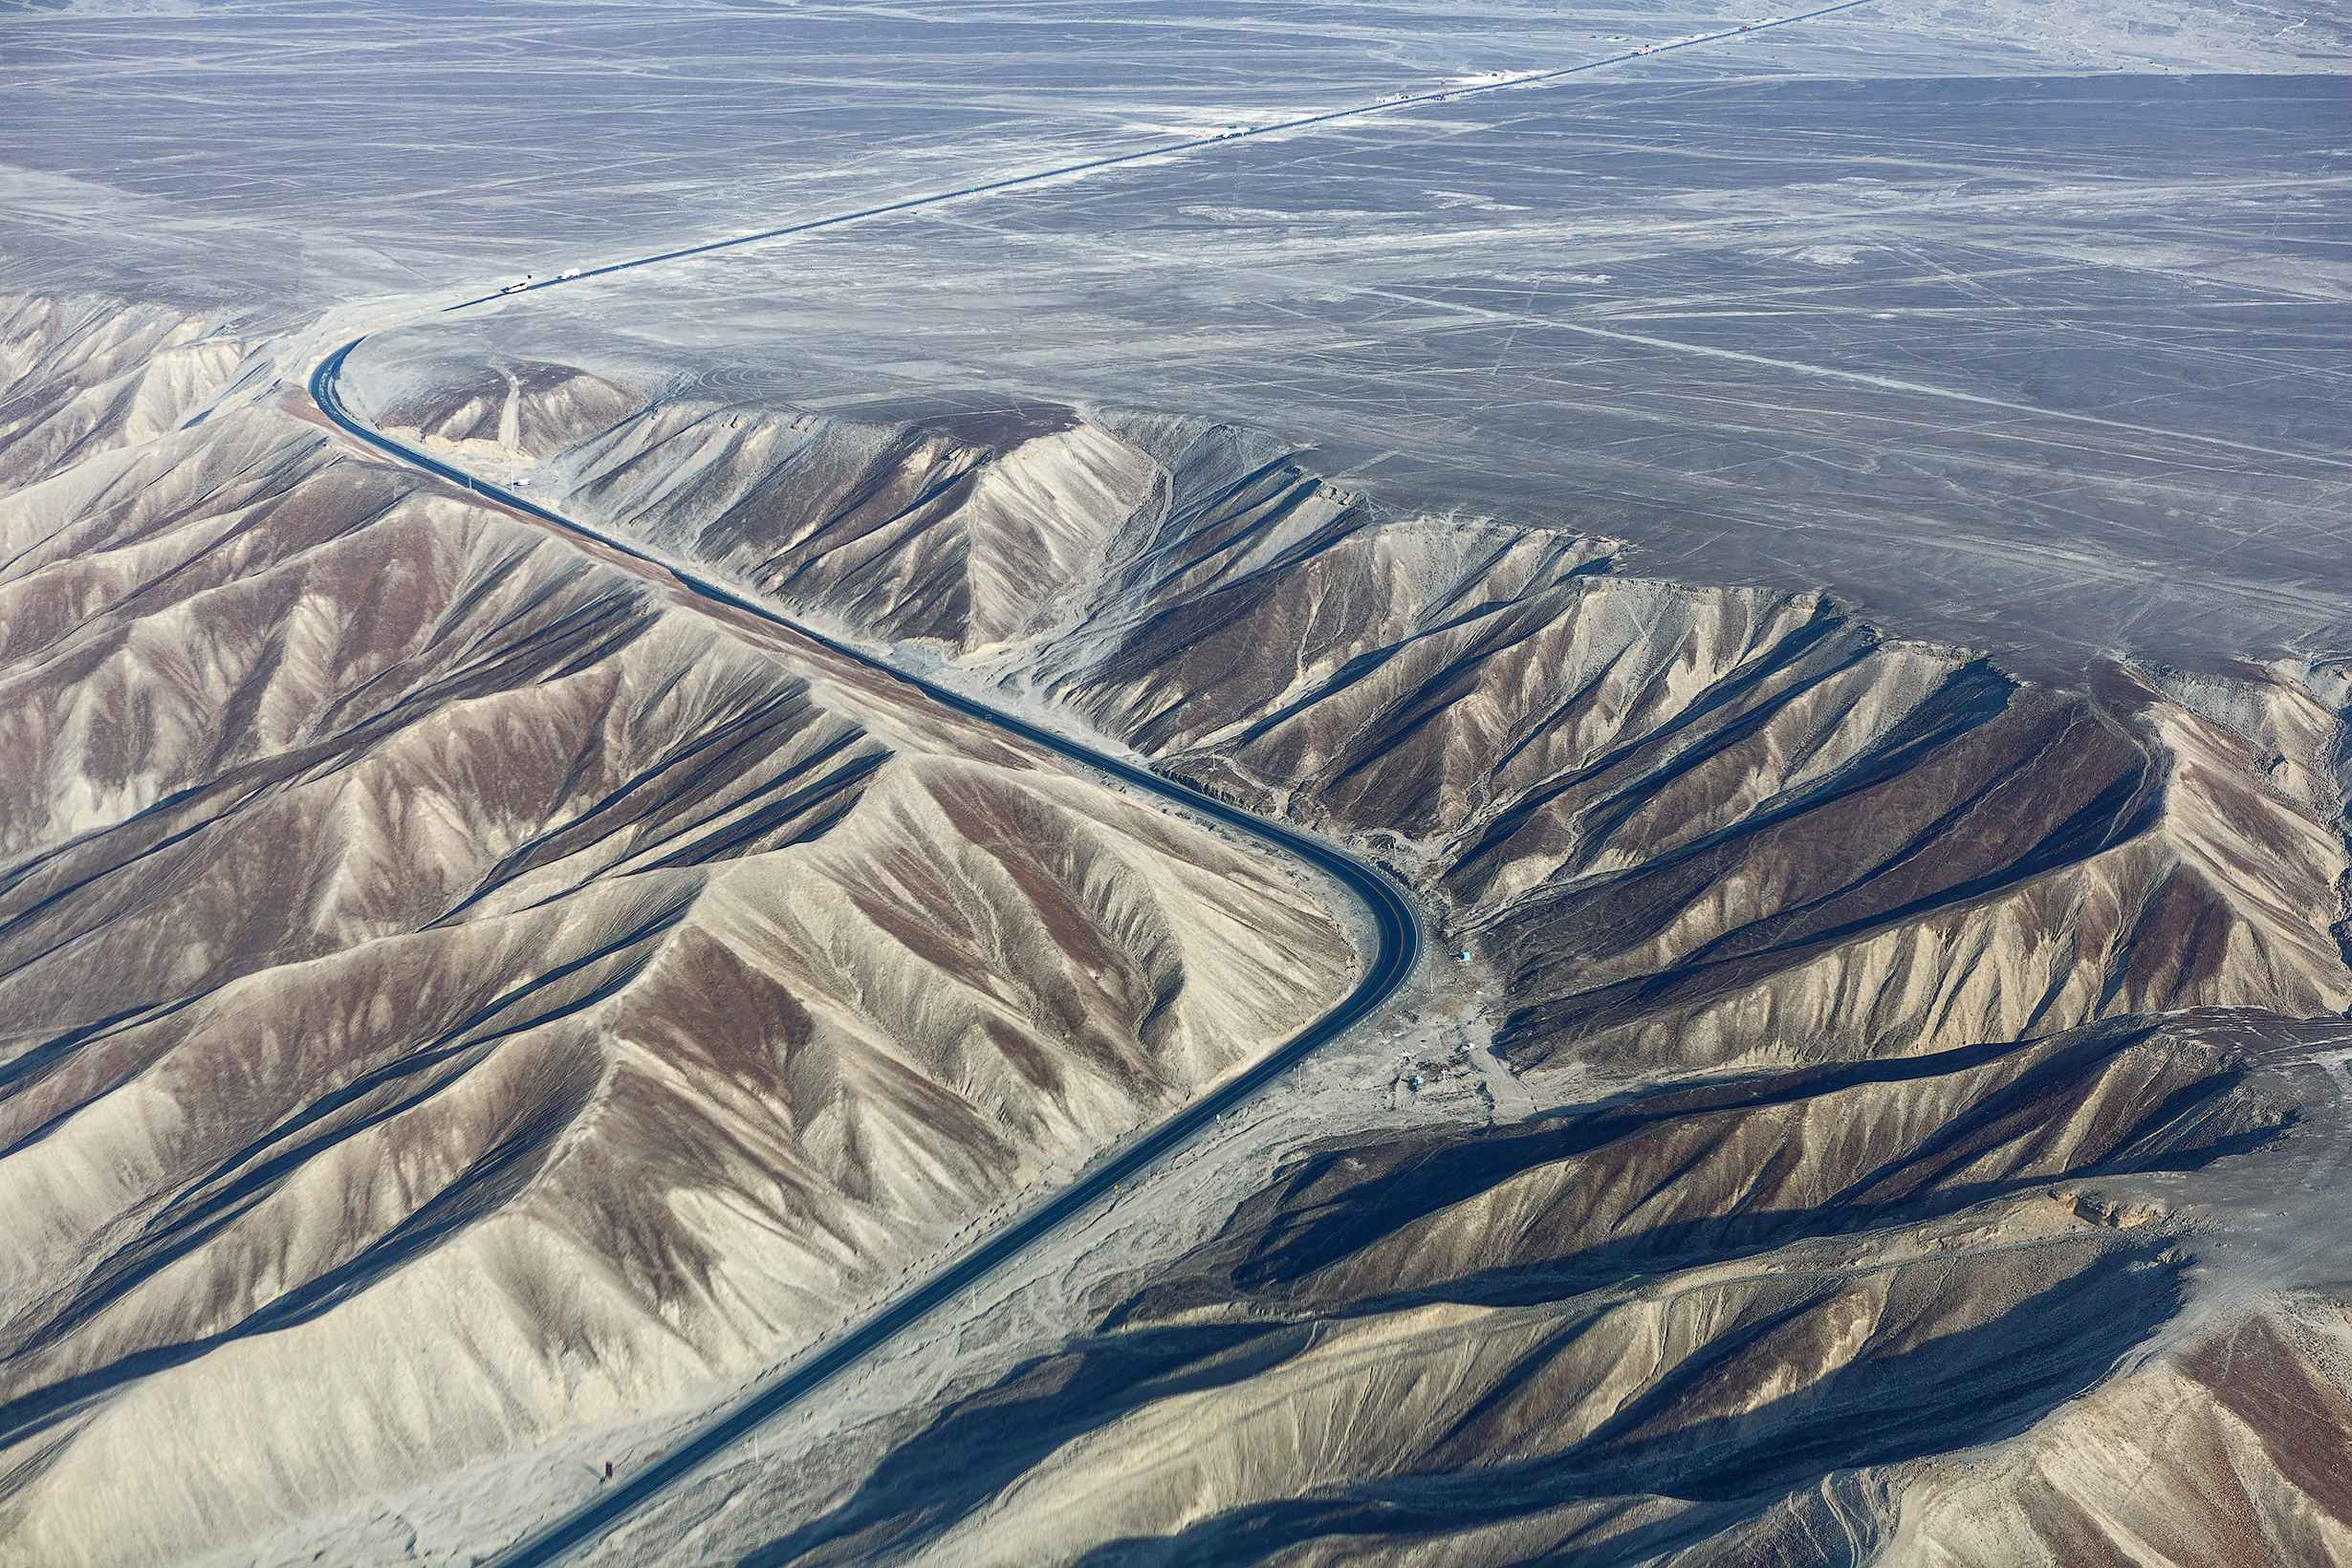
column 2226, row 1452
column 1791, row 1318
column 82, row 373
column 454, row 989
column 2014, row 978
column 499, row 414
column 1696, row 825
column 961, row 532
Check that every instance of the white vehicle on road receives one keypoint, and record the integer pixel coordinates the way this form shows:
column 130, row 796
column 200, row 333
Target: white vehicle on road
column 567, row 275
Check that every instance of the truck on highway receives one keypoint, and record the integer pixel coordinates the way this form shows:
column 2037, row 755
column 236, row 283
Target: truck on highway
column 566, row 275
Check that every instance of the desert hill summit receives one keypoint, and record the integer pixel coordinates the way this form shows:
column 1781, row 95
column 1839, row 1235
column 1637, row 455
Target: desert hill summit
column 1966, row 1037
column 85, row 372
column 2009, row 1303
column 1700, row 827
column 459, row 993
column 455, row 988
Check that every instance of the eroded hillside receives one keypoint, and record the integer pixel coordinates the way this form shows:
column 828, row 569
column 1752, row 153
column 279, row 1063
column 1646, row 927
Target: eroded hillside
column 1884, row 1314
column 1696, row 826
column 1964, row 1029
column 84, row 372
column 457, row 988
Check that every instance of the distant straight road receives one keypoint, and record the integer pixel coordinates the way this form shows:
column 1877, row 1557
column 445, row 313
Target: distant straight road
column 1396, row 930
column 1396, row 947
column 964, row 193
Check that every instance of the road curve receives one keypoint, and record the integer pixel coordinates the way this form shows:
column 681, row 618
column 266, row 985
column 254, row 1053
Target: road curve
column 1396, row 947
column 1396, row 930
column 1353, row 111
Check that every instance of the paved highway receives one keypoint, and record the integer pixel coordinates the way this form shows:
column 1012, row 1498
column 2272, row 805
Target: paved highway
column 1354, row 111
column 1396, row 947
column 1396, row 931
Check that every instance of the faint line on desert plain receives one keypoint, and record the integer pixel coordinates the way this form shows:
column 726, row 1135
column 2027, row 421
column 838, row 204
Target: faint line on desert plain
column 1892, row 383
column 1189, row 144
column 1800, row 368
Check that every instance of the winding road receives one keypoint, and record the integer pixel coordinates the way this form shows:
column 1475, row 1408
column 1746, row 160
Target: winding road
column 1395, row 929
column 1395, row 948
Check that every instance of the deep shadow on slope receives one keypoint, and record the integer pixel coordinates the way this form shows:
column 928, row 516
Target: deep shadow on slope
column 1687, row 1176
column 457, row 988
column 1970, row 1387
column 1268, row 1294
column 1695, row 828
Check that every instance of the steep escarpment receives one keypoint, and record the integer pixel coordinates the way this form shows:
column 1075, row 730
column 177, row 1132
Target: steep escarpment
column 458, row 988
